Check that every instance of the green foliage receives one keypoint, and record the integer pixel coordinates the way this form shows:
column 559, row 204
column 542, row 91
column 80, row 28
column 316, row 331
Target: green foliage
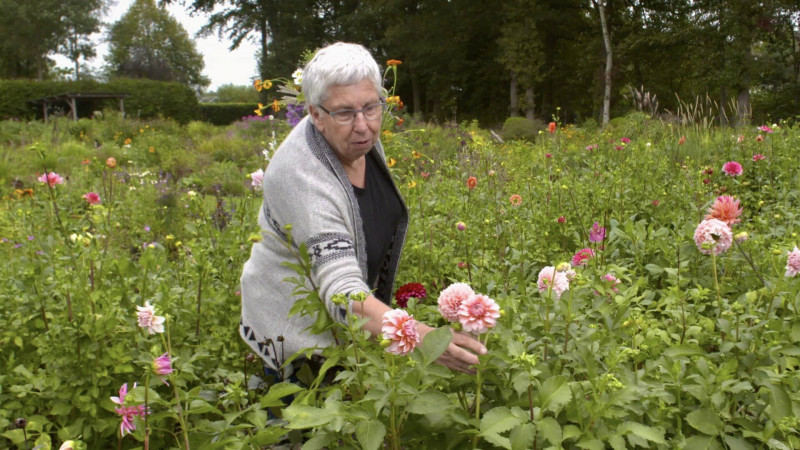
column 230, row 93
column 149, row 43
column 521, row 128
column 225, row 113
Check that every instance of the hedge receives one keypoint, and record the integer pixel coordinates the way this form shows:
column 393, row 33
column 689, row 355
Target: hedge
column 147, row 99
column 225, row 113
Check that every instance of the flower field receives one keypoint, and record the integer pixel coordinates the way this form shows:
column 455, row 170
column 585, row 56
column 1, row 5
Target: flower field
column 635, row 287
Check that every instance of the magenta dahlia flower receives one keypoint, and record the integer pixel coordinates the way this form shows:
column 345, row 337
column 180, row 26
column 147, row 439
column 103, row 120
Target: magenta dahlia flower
column 732, row 168
column 582, row 256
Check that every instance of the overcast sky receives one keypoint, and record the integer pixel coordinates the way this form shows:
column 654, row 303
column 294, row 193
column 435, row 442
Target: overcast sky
column 222, row 65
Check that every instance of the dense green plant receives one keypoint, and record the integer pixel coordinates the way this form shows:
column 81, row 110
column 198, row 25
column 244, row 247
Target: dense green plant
column 521, row 128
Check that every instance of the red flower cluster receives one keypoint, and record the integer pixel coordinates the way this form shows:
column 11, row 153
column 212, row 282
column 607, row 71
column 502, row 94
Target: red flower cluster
column 408, row 290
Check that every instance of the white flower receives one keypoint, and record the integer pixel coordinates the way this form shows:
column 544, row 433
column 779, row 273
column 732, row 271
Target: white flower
column 147, row 318
column 297, row 76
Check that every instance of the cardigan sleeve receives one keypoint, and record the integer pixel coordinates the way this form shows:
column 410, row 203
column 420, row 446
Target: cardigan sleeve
column 304, row 194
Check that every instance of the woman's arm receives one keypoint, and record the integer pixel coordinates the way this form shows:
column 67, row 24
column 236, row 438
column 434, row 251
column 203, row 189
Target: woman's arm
column 460, row 355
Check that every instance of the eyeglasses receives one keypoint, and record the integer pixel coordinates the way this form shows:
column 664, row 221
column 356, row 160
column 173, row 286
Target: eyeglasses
column 348, row 116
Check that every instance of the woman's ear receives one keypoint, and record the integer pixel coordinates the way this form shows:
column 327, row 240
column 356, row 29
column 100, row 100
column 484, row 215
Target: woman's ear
column 316, row 116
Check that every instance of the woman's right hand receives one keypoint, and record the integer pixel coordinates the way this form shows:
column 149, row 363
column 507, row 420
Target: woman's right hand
column 462, row 352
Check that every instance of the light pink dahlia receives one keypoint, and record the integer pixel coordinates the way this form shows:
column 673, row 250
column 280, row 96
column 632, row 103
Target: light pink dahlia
column 478, row 313
column 549, row 279
column 451, row 298
column 257, row 178
column 793, row 263
column 147, row 318
column 612, row 281
column 51, row 178
column 401, row 329
column 713, row 235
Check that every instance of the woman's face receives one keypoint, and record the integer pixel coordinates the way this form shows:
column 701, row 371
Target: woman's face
column 350, row 142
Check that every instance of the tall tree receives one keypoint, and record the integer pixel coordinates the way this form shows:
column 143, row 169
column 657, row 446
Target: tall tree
column 148, row 43
column 521, row 51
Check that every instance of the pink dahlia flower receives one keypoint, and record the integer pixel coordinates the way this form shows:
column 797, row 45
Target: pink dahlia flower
column 732, row 168
column 407, row 291
column 127, row 413
column 625, row 140
column 51, row 178
column 162, row 365
column 765, row 129
column 549, row 279
column 515, row 200
column 597, row 233
column 401, row 330
column 478, row 313
column 257, row 178
column 758, row 157
column 793, row 263
column 451, row 298
column 147, row 318
column 713, row 235
column 582, row 256
column 726, row 209
column 612, row 280
column 92, row 198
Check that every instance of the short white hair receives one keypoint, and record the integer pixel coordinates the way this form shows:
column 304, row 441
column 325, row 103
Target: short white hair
column 339, row 64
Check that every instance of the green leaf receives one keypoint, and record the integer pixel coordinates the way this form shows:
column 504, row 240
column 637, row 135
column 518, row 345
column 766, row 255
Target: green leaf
column 278, row 391
column 554, row 394
column 702, row 443
column 522, row 437
column 705, row 421
column 370, row 434
column 434, row 344
column 591, row 444
column 429, row 402
column 319, row 441
column 736, row 443
column 780, row 404
column 551, row 430
column 269, row 435
column 617, row 442
column 643, row 431
column 495, row 421
column 43, row 442
column 301, row 416
column 684, row 350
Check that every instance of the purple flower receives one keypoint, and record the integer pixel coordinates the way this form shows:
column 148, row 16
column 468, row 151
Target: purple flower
column 597, row 233
column 146, row 228
column 293, row 114
column 30, row 238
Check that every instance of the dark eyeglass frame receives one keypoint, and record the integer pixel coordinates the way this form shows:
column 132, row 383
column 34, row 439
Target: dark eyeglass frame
column 342, row 113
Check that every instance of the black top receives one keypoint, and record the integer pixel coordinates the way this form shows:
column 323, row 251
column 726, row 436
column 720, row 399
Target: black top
column 381, row 211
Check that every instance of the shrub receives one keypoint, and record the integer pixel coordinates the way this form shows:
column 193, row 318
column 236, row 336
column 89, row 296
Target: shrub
column 225, row 113
column 521, row 128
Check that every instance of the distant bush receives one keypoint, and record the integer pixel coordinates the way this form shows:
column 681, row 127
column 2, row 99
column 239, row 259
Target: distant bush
column 148, row 99
column 521, row 128
column 225, row 113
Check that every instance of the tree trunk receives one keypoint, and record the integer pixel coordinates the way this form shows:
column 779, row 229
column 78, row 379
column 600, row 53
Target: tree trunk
column 601, row 8
column 416, row 97
column 514, row 99
column 529, row 102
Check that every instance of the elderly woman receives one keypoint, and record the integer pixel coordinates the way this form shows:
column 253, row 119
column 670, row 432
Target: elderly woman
column 330, row 182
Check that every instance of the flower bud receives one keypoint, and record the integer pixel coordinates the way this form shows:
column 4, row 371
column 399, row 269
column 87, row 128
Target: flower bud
column 563, row 267
column 461, row 226
column 339, row 299
column 255, row 237
column 385, row 343
column 741, row 237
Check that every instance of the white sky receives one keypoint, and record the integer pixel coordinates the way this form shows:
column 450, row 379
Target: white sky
column 222, row 66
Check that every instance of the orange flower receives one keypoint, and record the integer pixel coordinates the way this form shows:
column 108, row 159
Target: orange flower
column 681, row 140
column 759, row 138
column 111, row 162
column 726, row 209
column 151, row 149
column 415, row 154
column 515, row 200
column 472, row 182
column 276, row 106
column 391, row 162
column 551, row 127
column 393, row 62
column 128, row 141
column 400, row 122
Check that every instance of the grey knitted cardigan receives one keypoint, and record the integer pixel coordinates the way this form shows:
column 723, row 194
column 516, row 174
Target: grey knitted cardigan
column 305, row 185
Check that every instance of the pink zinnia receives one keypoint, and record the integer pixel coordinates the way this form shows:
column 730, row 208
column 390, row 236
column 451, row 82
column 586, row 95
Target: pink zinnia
column 582, row 256
column 765, row 129
column 451, row 298
column 401, row 329
column 147, row 318
column 408, row 291
column 257, row 178
column 549, row 279
column 758, row 157
column 597, row 233
column 478, row 313
column 732, row 168
column 625, row 140
column 726, row 209
column 714, row 233
column 51, row 178
column 92, row 197
column 793, row 263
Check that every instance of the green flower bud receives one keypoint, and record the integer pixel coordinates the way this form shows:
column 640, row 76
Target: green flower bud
column 385, row 343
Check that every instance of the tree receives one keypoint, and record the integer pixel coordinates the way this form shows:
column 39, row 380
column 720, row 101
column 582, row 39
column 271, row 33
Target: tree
column 148, row 43
column 521, row 51
column 78, row 25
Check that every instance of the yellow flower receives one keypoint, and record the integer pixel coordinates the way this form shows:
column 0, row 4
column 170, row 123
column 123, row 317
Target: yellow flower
column 152, row 149
column 258, row 110
column 415, row 154
column 257, row 84
column 391, row 162
column 387, row 133
column 141, row 130
column 276, row 106
column 412, row 184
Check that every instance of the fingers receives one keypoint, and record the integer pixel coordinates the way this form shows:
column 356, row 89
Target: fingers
column 467, row 341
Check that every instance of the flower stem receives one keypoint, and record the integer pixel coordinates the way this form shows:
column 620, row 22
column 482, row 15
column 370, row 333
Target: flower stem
column 716, row 287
